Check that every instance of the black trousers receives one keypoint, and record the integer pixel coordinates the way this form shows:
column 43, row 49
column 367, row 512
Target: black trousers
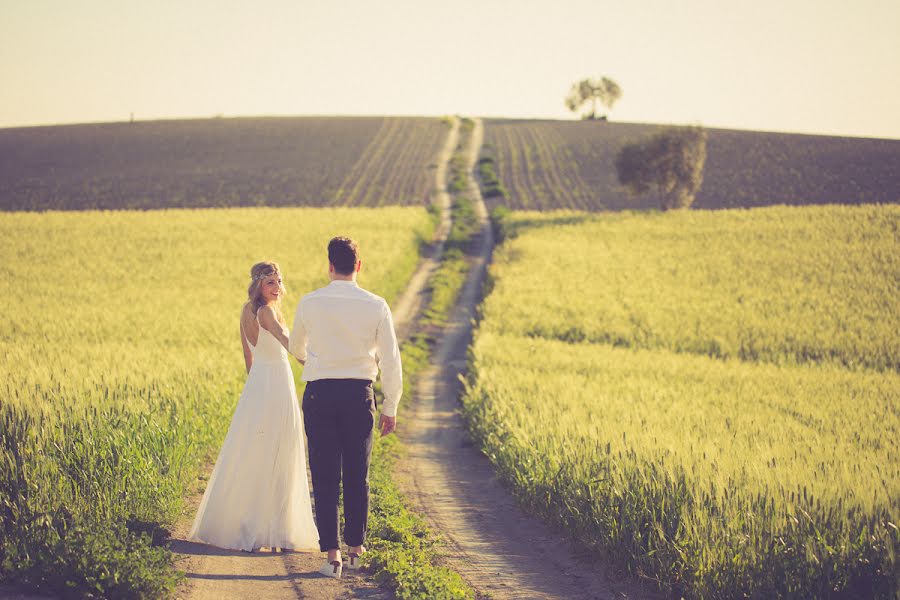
column 339, row 418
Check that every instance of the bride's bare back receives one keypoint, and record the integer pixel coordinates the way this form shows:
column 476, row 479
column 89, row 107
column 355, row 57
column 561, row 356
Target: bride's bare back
column 266, row 317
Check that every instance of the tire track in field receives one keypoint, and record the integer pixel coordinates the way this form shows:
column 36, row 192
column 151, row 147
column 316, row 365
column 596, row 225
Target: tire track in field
column 395, row 169
column 420, row 183
column 534, row 190
column 376, row 176
column 501, row 551
column 557, row 163
column 396, row 160
column 217, row 574
column 522, row 174
column 513, row 172
column 551, row 182
column 415, row 182
column 350, row 188
column 538, row 169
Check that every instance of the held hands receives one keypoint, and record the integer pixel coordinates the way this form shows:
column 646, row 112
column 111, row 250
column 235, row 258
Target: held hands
column 387, row 425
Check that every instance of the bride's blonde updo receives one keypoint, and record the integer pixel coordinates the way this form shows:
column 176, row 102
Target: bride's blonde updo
column 259, row 272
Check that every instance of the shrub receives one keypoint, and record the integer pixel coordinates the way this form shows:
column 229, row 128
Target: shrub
column 669, row 162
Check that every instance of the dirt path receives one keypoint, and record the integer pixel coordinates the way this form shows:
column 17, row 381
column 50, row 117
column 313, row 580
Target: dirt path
column 215, row 574
column 490, row 541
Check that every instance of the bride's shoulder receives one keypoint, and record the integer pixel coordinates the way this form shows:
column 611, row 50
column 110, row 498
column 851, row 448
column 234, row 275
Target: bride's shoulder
column 268, row 316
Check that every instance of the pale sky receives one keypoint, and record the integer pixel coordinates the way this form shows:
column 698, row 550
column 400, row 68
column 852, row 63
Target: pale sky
column 813, row 66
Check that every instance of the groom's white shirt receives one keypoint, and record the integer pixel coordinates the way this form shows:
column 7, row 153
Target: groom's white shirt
column 343, row 331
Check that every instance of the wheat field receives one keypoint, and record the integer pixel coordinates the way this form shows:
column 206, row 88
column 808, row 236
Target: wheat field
column 122, row 366
column 711, row 398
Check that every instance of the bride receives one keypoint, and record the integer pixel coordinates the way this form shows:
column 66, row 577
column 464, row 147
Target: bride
column 258, row 495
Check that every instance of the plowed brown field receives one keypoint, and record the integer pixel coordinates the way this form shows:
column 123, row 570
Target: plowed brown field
column 283, row 161
column 546, row 165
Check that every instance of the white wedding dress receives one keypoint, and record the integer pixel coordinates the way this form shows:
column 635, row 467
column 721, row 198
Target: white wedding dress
column 258, row 493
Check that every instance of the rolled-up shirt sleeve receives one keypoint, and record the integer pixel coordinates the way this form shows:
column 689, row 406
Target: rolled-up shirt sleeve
column 298, row 339
column 387, row 353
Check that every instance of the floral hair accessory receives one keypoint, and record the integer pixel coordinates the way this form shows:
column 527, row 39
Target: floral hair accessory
column 262, row 276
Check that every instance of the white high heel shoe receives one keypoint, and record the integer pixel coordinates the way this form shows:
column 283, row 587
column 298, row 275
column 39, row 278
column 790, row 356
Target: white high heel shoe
column 354, row 563
column 332, row 569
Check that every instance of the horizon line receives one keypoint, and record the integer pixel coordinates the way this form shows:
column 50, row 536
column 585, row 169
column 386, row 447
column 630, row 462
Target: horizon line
column 223, row 116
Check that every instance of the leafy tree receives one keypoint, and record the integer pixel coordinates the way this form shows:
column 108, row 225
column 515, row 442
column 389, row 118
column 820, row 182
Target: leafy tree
column 603, row 90
column 669, row 162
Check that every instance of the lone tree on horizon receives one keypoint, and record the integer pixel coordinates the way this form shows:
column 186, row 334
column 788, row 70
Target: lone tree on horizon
column 671, row 162
column 603, row 90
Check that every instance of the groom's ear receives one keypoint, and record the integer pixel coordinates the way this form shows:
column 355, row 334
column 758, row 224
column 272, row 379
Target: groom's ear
column 358, row 265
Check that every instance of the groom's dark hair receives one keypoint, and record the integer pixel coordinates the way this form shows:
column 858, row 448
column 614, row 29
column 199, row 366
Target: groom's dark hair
column 343, row 253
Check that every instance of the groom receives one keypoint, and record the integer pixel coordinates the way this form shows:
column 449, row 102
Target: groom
column 343, row 334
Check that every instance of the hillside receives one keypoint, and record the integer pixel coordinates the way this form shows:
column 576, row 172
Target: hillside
column 296, row 161
column 571, row 164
